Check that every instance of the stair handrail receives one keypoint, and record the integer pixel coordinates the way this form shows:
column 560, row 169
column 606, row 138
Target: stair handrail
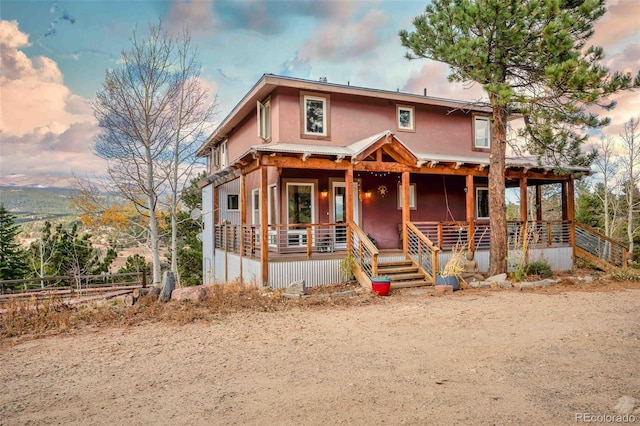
column 422, row 250
column 614, row 244
column 362, row 251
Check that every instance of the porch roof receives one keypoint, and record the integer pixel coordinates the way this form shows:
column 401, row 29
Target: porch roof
column 358, row 150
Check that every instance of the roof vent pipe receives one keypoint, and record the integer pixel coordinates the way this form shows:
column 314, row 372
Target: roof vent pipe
column 323, row 79
column 425, row 91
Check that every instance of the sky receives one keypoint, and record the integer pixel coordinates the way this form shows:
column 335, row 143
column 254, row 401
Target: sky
column 54, row 54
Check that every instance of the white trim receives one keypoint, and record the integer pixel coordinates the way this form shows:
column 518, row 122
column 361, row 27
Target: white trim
column 325, row 121
column 412, row 120
column 486, row 120
column 264, row 119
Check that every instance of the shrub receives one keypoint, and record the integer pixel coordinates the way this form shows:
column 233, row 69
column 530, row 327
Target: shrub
column 539, row 268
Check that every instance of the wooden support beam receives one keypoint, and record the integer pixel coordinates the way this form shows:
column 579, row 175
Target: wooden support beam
column 243, row 218
column 570, row 211
column 470, row 202
column 538, row 202
column 406, row 210
column 348, row 181
column 523, row 199
column 264, row 229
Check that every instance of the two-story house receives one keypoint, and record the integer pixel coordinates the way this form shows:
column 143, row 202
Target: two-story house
column 303, row 174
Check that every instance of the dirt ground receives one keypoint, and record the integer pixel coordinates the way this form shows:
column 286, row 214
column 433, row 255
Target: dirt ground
column 475, row 357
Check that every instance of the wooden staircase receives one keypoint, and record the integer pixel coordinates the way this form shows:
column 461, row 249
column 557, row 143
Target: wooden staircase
column 599, row 250
column 403, row 274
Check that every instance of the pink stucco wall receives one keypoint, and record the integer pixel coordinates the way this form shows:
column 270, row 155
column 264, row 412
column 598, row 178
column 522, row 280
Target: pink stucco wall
column 438, row 130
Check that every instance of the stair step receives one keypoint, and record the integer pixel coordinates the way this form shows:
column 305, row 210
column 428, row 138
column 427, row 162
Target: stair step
column 395, row 263
column 407, row 284
column 397, row 270
column 406, row 277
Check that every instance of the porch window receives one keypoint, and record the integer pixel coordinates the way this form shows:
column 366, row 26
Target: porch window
column 300, row 203
column 412, row 196
column 255, row 209
column 273, row 205
column 482, row 203
column 405, row 115
column 264, row 119
column 481, row 132
column 233, row 201
column 315, row 115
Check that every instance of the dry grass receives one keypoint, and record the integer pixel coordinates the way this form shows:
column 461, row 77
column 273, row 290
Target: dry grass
column 34, row 319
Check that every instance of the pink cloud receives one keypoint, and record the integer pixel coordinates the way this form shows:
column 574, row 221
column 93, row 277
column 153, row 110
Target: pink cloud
column 341, row 38
column 33, row 91
column 433, row 77
column 197, row 15
column 618, row 24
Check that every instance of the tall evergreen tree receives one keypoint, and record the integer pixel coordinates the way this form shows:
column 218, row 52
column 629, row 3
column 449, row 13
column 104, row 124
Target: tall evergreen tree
column 13, row 261
column 531, row 57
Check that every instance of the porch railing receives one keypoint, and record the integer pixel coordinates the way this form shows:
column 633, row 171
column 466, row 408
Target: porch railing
column 599, row 245
column 296, row 238
column 422, row 251
column 364, row 253
column 446, row 235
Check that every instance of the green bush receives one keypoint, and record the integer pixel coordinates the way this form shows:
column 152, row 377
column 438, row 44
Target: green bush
column 539, row 268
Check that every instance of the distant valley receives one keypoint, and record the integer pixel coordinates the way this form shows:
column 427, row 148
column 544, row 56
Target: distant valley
column 31, row 204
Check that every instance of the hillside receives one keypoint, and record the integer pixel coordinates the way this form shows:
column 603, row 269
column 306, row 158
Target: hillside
column 36, row 204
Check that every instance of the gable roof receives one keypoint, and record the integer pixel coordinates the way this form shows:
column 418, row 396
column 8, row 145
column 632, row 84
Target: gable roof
column 269, row 82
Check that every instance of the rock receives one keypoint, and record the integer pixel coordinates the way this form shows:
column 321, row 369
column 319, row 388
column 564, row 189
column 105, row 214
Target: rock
column 497, row 278
column 588, row 279
column 296, row 288
column 193, row 294
column 625, row 405
column 168, row 285
column 441, row 290
column 505, row 284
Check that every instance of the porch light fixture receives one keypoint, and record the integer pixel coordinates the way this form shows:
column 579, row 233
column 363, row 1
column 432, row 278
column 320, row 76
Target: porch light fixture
column 324, row 192
column 368, row 193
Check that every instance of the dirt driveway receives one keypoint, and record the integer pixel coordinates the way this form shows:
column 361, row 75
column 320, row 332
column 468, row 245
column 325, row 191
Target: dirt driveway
column 483, row 357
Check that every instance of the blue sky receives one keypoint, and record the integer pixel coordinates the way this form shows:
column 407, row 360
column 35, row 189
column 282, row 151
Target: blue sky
column 54, row 56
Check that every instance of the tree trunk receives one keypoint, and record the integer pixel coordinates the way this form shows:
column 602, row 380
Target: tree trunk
column 497, row 208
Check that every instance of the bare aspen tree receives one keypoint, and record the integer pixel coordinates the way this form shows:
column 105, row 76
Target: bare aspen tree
column 631, row 166
column 607, row 164
column 136, row 112
column 192, row 111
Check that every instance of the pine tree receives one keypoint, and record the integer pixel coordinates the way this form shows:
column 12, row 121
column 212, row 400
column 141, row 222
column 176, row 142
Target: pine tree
column 13, row 263
column 531, row 58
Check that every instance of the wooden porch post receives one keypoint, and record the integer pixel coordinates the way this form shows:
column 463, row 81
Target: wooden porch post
column 243, row 217
column 568, row 201
column 565, row 198
column 539, row 203
column 471, row 204
column 524, row 214
column 406, row 210
column 348, row 181
column 264, row 228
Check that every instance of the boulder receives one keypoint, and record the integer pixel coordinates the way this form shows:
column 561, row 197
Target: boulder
column 168, row 285
column 500, row 278
column 296, row 288
column 192, row 294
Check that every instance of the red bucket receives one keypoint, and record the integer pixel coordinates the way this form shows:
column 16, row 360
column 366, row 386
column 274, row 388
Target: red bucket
column 381, row 286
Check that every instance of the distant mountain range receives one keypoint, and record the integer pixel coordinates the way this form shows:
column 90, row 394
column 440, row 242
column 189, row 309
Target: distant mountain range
column 30, row 204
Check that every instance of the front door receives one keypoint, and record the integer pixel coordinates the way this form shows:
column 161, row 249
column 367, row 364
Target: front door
column 339, row 211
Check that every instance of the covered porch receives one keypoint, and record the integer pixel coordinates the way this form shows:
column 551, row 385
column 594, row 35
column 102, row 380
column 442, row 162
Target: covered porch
column 373, row 201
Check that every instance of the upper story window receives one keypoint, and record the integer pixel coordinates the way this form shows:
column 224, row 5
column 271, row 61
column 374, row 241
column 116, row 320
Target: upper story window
column 405, row 118
column 264, row 119
column 315, row 115
column 481, row 132
column 223, row 157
